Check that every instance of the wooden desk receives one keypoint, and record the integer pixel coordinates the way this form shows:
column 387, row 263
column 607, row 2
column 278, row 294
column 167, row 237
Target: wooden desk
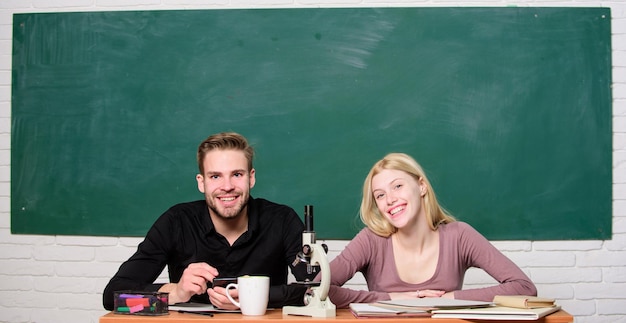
column 343, row 315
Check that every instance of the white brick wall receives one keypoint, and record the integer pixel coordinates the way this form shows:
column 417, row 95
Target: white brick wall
column 60, row 279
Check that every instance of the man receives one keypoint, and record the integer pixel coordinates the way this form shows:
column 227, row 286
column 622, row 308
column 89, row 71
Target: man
column 228, row 234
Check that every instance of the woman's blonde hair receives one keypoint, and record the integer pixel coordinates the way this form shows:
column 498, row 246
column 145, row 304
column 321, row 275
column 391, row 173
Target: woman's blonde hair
column 371, row 216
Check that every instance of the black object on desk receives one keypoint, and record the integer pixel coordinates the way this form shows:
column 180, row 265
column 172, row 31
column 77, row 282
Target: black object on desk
column 199, row 313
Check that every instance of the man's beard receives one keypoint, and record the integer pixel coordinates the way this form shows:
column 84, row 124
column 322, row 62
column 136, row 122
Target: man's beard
column 228, row 213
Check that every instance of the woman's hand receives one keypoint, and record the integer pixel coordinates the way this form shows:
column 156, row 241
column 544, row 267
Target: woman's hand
column 420, row 294
column 429, row 293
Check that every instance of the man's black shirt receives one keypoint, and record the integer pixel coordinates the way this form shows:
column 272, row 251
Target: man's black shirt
column 185, row 234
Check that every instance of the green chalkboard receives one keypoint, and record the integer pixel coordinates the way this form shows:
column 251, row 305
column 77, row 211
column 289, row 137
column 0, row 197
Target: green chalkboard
column 508, row 110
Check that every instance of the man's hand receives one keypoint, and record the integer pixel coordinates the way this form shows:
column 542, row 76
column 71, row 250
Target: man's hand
column 217, row 296
column 193, row 282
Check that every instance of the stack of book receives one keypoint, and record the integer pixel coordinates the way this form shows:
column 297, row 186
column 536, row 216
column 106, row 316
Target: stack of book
column 506, row 307
column 502, row 308
column 416, row 307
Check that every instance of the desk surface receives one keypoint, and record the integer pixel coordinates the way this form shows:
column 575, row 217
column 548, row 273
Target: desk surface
column 275, row 315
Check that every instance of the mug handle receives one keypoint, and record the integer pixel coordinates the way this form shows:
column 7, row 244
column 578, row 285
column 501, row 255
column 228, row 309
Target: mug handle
column 230, row 298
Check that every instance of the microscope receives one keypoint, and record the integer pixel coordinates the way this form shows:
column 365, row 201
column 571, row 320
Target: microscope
column 318, row 305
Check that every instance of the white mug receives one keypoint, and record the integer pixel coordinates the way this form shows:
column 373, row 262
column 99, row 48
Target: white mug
column 254, row 294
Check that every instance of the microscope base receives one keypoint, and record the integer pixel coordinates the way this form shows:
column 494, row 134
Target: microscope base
column 316, row 308
column 313, row 312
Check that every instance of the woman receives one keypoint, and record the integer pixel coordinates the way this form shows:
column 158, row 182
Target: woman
column 412, row 247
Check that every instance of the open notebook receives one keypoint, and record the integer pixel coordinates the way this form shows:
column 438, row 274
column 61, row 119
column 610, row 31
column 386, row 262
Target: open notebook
column 375, row 310
column 433, row 303
column 198, row 307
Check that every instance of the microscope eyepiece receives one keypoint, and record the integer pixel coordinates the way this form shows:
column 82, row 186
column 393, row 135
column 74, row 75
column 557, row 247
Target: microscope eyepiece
column 308, row 218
